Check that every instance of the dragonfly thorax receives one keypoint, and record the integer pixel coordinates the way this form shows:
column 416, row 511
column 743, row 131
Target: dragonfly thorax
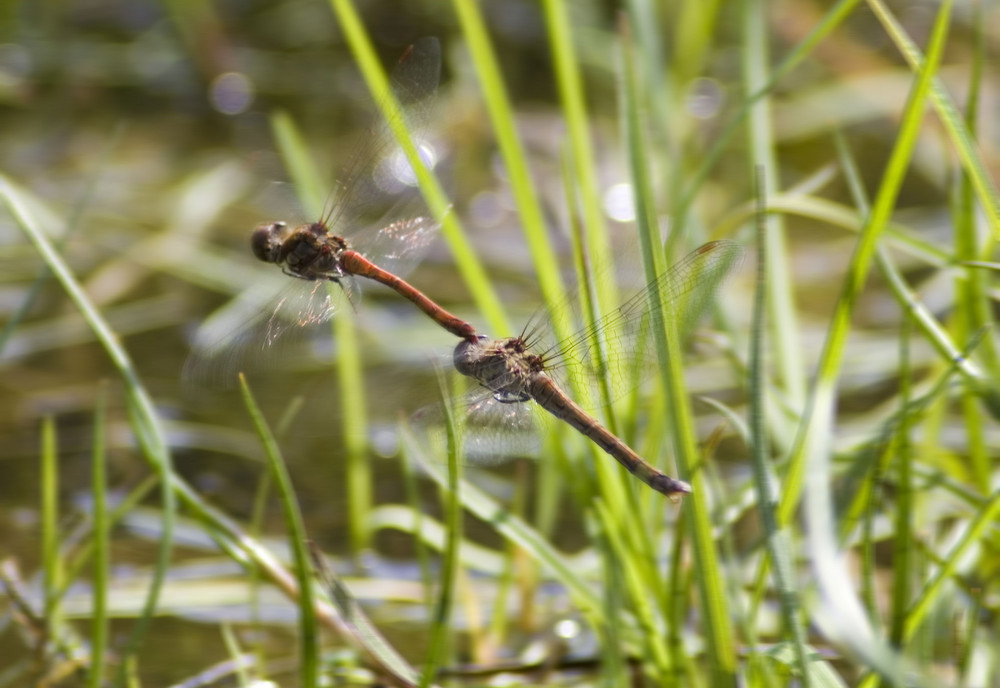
column 309, row 251
column 502, row 365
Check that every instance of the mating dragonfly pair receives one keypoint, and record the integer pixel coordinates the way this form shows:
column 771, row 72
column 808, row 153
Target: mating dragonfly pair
column 514, row 371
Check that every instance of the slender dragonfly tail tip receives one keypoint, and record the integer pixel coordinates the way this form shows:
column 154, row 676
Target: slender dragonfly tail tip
column 670, row 486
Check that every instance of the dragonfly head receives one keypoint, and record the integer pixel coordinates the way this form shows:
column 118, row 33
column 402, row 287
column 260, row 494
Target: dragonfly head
column 266, row 241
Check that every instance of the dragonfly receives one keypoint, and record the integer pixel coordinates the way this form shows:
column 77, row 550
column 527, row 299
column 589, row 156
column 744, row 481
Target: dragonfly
column 517, row 370
column 344, row 244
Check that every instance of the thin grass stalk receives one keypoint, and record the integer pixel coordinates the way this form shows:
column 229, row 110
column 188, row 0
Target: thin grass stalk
column 678, row 588
column 301, row 165
column 83, row 553
column 308, row 632
column 932, row 330
column 390, row 665
column 350, row 379
column 73, row 222
column 579, row 160
column 613, row 483
column 865, row 504
column 815, row 432
column 812, row 450
column 608, row 626
column 696, row 25
column 468, row 264
column 664, row 66
column 617, row 555
column 589, row 300
column 661, row 70
column 255, row 576
column 844, row 217
column 977, row 529
column 145, row 424
column 776, row 537
column 501, row 114
column 588, row 284
column 958, row 360
column 837, row 14
column 905, row 502
column 413, row 499
column 499, row 621
column 783, row 325
column 972, row 627
column 52, row 564
column 238, row 660
column 101, row 571
column 973, row 307
column 718, row 629
column 874, row 491
column 519, row 572
column 959, row 136
column 440, row 630
column 515, row 529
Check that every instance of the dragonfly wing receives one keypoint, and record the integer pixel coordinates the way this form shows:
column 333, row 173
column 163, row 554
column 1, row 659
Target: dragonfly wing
column 377, row 176
column 254, row 332
column 492, row 432
column 397, row 247
column 496, row 431
column 620, row 348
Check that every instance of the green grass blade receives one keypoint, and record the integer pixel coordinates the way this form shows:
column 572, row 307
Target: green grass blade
column 904, row 538
column 811, row 454
column 100, row 579
column 350, row 380
column 440, row 629
column 523, row 187
column 513, row 529
column 465, row 258
column 837, row 15
column 718, row 629
column 584, row 165
column 613, row 545
column 308, row 633
column 973, row 306
column 72, row 224
column 305, row 175
column 783, row 326
column 960, row 138
column 49, row 510
column 357, row 625
column 301, row 166
column 974, row 534
column 776, row 537
column 832, row 354
column 147, row 424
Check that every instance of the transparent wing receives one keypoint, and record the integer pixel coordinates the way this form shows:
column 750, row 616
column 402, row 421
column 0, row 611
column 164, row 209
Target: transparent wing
column 620, row 346
column 397, row 247
column 492, row 432
column 377, row 190
column 259, row 330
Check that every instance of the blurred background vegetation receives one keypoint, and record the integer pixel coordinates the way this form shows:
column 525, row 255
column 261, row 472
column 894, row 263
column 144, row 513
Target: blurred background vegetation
column 141, row 136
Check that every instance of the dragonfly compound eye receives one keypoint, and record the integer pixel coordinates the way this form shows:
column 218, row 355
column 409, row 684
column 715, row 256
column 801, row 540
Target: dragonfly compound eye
column 266, row 241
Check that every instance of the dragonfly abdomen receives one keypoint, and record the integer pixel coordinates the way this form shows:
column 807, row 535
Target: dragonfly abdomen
column 547, row 394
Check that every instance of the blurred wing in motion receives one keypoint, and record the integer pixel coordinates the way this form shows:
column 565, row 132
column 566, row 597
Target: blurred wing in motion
column 257, row 332
column 377, row 188
column 626, row 335
column 399, row 246
column 492, row 432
